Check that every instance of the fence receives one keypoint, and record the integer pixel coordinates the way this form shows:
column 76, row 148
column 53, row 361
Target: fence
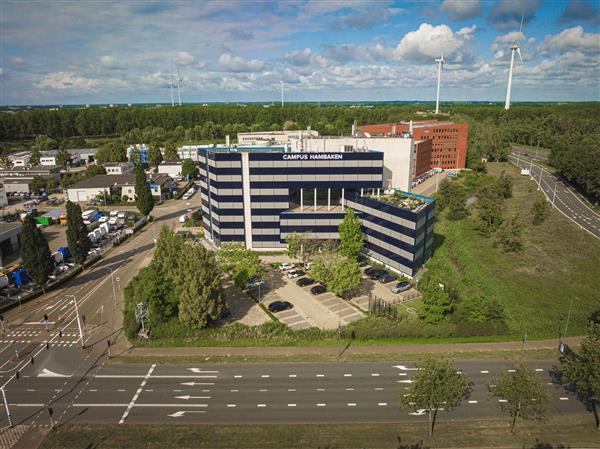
column 381, row 307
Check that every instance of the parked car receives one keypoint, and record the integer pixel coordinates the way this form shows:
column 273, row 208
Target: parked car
column 295, row 274
column 255, row 283
column 369, row 270
column 384, row 279
column 304, row 282
column 376, row 274
column 103, row 219
column 400, row 287
column 286, row 266
column 318, row 289
column 280, row 306
column 183, row 219
column 307, row 265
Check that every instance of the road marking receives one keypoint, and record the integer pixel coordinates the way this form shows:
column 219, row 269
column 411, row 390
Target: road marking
column 181, row 413
column 375, row 375
column 349, row 389
column 292, row 375
column 158, row 376
column 564, row 399
column 237, row 376
column 407, row 381
column 200, row 370
column 402, row 374
column 265, row 375
column 320, row 404
column 28, row 405
column 472, row 402
column 230, row 405
column 511, row 370
column 378, row 388
column 191, row 384
column 347, row 375
column 137, row 393
column 539, row 370
column 502, row 400
column 261, row 405
column 382, row 404
column 351, row 404
column 233, row 391
column 484, row 371
column 262, row 390
column 291, row 405
column 47, row 373
column 320, row 375
column 140, row 405
column 405, row 368
column 150, row 391
column 121, row 390
column 93, row 390
column 320, row 389
column 188, row 397
column 291, row 389
column 30, row 389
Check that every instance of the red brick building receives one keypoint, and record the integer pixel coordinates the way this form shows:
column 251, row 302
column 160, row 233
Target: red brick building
column 422, row 162
column 449, row 140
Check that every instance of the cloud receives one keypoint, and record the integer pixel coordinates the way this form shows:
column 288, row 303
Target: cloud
column 16, row 60
column 305, row 58
column 428, row 42
column 364, row 20
column 318, row 7
column 571, row 39
column 184, row 58
column 151, row 8
column 460, row 10
column 506, row 14
column 238, row 34
column 345, row 53
column 581, row 10
column 237, row 64
column 111, row 63
column 67, row 80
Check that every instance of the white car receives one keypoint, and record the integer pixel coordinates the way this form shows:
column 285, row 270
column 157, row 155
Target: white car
column 286, row 266
column 294, row 274
column 183, row 219
column 114, row 213
column 103, row 219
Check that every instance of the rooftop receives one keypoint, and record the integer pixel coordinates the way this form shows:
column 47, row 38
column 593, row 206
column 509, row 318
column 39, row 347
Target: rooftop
column 104, row 181
column 403, row 200
column 7, row 227
column 172, row 162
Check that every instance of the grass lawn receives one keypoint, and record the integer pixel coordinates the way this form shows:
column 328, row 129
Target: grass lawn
column 569, row 431
column 559, row 264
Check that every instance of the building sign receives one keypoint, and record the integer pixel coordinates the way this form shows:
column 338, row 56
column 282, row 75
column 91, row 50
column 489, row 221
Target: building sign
column 313, row 156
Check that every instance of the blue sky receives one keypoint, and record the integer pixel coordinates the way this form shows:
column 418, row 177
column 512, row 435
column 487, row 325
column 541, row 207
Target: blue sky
column 65, row 52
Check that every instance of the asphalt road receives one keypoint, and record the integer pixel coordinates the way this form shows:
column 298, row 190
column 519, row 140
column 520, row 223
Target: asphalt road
column 563, row 197
column 530, row 153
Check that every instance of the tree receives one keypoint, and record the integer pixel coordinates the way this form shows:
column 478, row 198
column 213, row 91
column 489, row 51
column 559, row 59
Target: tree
column 524, row 395
column 113, row 151
column 456, row 204
column 34, row 157
column 35, row 253
column 339, row 273
column 539, row 211
column 436, row 385
column 5, row 162
column 154, row 156
column 199, row 287
column 351, row 236
column 243, row 264
column 443, row 194
column 504, row 185
column 143, row 195
column 579, row 370
column 171, row 151
column 510, row 235
column 489, row 207
column 294, row 244
column 38, row 184
column 189, row 169
column 77, row 233
column 63, row 157
column 437, row 304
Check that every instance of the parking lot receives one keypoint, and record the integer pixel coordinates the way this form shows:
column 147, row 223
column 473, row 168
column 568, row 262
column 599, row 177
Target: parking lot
column 381, row 291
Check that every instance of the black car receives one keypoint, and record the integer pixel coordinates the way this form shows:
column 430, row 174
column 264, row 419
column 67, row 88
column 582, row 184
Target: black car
column 318, row 290
column 279, row 306
column 387, row 278
column 303, row 282
column 376, row 274
column 369, row 270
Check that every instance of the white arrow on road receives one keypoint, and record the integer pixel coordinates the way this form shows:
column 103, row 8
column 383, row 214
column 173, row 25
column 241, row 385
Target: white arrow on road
column 191, row 384
column 192, row 397
column 405, row 368
column 180, row 413
column 201, row 371
column 408, row 381
column 419, row 412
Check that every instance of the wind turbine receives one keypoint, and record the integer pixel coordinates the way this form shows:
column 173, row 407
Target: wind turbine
column 516, row 47
column 281, row 83
column 180, row 84
column 440, row 62
column 172, row 85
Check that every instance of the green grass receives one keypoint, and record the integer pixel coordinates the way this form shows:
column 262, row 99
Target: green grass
column 574, row 431
column 559, row 263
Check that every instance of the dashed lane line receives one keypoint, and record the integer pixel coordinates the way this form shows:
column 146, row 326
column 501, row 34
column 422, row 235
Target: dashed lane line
column 137, row 394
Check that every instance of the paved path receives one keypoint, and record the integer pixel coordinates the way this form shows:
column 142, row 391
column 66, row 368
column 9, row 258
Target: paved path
column 563, row 197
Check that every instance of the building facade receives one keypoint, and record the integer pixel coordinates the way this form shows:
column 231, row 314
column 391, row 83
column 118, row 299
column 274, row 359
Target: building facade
column 118, row 168
column 449, row 139
column 267, row 138
column 258, row 198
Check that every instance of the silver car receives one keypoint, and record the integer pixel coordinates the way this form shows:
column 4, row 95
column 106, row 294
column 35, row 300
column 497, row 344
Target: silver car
column 401, row 287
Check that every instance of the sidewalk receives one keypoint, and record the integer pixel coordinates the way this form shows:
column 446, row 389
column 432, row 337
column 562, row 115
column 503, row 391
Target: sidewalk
column 352, row 349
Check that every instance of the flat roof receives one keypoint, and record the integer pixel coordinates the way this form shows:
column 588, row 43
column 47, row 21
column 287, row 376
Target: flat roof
column 104, row 181
column 7, row 227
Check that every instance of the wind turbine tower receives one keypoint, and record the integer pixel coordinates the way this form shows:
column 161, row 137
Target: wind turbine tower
column 281, row 83
column 516, row 48
column 440, row 62
column 172, row 85
column 180, row 84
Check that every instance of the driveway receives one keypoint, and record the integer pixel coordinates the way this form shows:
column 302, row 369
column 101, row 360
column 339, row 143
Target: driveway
column 381, row 291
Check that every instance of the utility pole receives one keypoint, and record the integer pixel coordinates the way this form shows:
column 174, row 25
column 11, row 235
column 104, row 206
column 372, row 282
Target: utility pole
column 554, row 194
column 78, row 321
column 2, row 322
column 10, row 424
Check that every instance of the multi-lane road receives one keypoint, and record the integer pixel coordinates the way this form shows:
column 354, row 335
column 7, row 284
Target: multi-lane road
column 562, row 196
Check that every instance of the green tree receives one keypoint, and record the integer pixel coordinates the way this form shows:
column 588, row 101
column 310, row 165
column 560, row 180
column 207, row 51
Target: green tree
column 63, row 157
column 143, row 195
column 35, row 253
column 456, row 204
column 38, row 184
column 524, row 395
column 199, row 287
column 294, row 243
column 189, row 169
column 443, row 194
column 113, row 151
column 473, row 309
column 580, row 370
column 34, row 157
column 510, row 235
column 489, row 207
column 243, row 264
column 351, row 236
column 436, row 385
column 437, row 305
column 539, row 211
column 504, row 185
column 77, row 233
column 171, row 151
column 5, row 162
column 339, row 273
column 154, row 156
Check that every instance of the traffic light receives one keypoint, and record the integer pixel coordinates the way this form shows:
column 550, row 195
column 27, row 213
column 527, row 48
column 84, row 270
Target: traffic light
column 45, row 317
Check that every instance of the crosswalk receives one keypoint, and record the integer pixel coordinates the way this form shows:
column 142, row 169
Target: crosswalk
column 9, row 436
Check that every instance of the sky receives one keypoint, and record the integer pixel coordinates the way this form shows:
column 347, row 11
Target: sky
column 90, row 52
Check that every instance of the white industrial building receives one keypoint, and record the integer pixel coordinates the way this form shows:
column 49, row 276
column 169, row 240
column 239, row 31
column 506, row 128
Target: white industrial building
column 276, row 138
column 118, row 168
column 397, row 154
column 171, row 167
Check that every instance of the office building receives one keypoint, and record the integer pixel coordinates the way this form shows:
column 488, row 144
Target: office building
column 268, row 138
column 449, row 139
column 259, row 197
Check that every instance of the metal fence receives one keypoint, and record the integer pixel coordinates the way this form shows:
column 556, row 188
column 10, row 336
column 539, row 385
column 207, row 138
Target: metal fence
column 381, row 307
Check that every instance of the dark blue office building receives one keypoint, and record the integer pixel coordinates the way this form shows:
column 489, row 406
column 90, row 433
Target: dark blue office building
column 257, row 198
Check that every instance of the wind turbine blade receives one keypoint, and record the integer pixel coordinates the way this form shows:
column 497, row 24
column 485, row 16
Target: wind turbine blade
column 519, row 53
column 521, row 27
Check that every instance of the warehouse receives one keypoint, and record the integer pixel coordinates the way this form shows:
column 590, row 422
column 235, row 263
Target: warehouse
column 259, row 197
